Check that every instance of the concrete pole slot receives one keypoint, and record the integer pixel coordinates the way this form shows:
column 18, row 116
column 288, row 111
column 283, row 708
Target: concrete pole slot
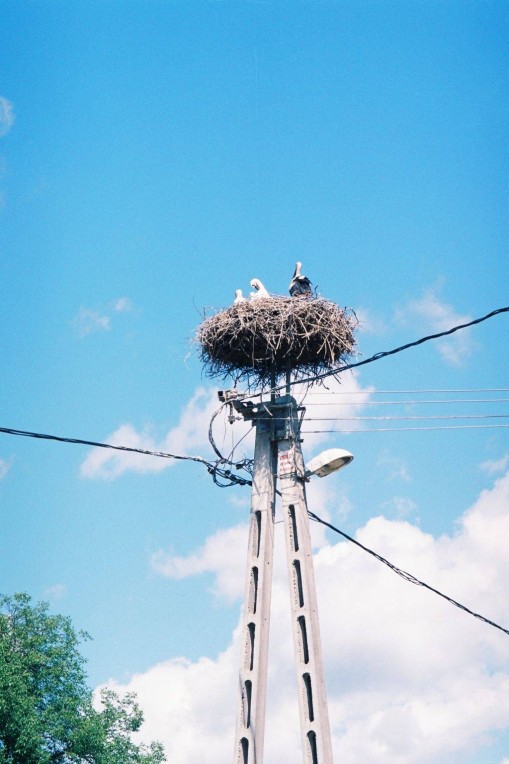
column 245, row 750
column 295, row 535
column 298, row 580
column 251, row 629
column 256, row 528
column 313, row 752
column 309, row 695
column 248, row 691
column 303, row 638
column 253, row 590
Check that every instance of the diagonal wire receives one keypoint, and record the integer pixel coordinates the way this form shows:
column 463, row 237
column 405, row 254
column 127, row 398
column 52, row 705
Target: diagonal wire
column 213, row 468
column 410, row 429
column 384, row 353
column 407, row 576
column 403, row 417
column 60, row 439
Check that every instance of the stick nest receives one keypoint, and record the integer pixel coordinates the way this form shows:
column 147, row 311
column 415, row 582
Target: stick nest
column 253, row 339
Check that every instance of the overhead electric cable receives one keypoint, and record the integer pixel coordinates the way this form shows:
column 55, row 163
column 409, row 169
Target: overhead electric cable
column 212, row 468
column 407, row 576
column 307, row 404
column 382, row 354
column 215, row 470
column 79, row 441
column 412, row 392
column 403, row 417
column 410, row 429
column 211, row 433
column 237, row 444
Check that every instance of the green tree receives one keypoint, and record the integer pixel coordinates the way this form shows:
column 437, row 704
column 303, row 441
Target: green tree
column 46, row 711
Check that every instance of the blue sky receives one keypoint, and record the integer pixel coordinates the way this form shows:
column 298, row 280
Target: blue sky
column 154, row 157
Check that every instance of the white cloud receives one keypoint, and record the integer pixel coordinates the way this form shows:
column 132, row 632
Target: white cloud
column 189, row 435
column 239, row 500
column 5, row 466
column 369, row 324
column 192, row 703
column 430, row 314
column 223, row 554
column 6, row 116
column 108, row 464
column 123, row 305
column 56, row 591
column 411, row 679
column 395, row 467
column 333, row 407
column 400, row 506
column 497, row 466
column 88, row 321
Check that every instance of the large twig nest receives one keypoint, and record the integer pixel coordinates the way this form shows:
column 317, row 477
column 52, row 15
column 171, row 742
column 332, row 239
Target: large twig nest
column 254, row 339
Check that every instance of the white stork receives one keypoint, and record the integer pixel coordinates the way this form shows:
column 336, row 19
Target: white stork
column 260, row 290
column 300, row 286
column 238, row 297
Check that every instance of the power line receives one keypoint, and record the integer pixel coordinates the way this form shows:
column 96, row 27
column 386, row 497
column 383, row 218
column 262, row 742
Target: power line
column 382, row 354
column 407, row 576
column 415, row 343
column 308, row 404
column 412, row 392
column 403, row 417
column 410, row 429
column 79, row 441
column 212, row 467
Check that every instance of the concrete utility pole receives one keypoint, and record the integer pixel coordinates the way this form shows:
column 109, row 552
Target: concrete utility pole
column 278, row 448
column 255, row 626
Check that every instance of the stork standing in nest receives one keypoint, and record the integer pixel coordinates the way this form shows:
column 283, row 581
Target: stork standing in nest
column 238, row 297
column 260, row 290
column 300, row 286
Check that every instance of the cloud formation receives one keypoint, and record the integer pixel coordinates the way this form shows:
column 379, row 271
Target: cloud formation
column 187, row 437
column 6, row 116
column 396, row 468
column 87, row 321
column 496, row 466
column 190, row 435
column 223, row 554
column 90, row 320
column 5, row 466
column 369, row 323
column 55, row 591
column 411, row 679
column 123, row 305
column 335, row 406
column 430, row 314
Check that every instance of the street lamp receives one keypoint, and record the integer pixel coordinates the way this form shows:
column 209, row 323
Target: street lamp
column 329, row 461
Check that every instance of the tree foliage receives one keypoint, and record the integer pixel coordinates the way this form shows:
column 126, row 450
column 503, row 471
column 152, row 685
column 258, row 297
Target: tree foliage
column 47, row 714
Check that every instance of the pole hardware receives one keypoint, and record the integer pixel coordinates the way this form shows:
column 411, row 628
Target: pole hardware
column 227, row 395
